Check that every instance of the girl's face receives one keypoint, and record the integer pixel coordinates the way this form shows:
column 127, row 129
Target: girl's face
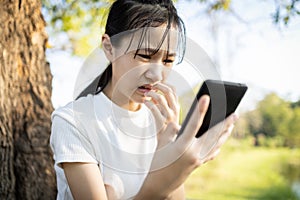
column 134, row 73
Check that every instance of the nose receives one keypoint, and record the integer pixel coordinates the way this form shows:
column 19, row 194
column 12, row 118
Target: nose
column 154, row 73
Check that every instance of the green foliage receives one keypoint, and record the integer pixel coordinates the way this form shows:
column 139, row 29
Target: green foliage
column 295, row 104
column 276, row 115
column 283, row 13
column 285, row 10
column 293, row 138
column 84, row 20
column 254, row 122
column 217, row 5
column 275, row 122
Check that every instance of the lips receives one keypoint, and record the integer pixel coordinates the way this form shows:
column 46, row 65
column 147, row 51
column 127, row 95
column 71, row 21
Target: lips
column 145, row 88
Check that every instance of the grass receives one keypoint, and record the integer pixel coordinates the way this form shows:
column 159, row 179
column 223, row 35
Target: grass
column 244, row 172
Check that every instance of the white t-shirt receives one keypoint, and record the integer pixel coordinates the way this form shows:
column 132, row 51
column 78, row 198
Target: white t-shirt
column 93, row 129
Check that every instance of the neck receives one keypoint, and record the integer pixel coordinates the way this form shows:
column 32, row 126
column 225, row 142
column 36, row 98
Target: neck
column 120, row 99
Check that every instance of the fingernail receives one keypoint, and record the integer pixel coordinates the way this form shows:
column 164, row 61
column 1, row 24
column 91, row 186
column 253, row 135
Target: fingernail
column 204, row 100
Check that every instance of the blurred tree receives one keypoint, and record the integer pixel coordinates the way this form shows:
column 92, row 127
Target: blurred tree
column 83, row 20
column 26, row 167
column 295, row 104
column 275, row 118
column 293, row 138
column 241, row 128
column 284, row 11
column 254, row 124
column 276, row 115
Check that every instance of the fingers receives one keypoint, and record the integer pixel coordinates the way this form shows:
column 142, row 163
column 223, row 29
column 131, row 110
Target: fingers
column 170, row 94
column 224, row 135
column 215, row 137
column 166, row 101
column 207, row 145
column 211, row 156
column 169, row 135
column 159, row 119
column 231, row 119
column 196, row 119
column 161, row 104
column 216, row 131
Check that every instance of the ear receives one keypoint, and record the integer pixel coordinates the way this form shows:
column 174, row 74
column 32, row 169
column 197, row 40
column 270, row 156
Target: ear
column 107, row 47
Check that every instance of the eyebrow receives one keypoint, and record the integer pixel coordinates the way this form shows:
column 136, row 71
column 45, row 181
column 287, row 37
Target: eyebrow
column 153, row 51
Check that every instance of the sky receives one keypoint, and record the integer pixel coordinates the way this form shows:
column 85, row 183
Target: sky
column 250, row 50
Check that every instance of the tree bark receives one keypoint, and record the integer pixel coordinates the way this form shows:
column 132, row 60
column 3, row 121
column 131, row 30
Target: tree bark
column 26, row 167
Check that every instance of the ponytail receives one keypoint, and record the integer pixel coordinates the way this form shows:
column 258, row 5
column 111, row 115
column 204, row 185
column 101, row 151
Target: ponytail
column 104, row 79
column 98, row 83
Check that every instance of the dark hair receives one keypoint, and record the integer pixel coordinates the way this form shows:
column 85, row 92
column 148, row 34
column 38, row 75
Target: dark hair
column 125, row 15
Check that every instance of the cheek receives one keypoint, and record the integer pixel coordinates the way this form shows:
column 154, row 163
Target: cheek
column 165, row 73
column 121, row 72
column 127, row 67
column 127, row 79
column 131, row 74
column 134, row 74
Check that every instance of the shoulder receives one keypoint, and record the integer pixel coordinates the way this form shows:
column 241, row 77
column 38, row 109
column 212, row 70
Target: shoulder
column 68, row 129
column 73, row 109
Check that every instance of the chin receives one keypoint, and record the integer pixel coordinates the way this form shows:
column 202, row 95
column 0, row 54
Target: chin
column 139, row 98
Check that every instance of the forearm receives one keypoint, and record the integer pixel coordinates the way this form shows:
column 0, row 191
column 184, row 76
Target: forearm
column 165, row 183
column 151, row 190
column 149, row 193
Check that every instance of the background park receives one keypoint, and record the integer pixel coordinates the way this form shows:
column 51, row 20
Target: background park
column 255, row 42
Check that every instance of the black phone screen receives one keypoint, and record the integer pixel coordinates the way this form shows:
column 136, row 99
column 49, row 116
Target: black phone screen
column 224, row 99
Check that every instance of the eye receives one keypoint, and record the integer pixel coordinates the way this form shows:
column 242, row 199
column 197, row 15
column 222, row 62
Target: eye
column 167, row 61
column 144, row 56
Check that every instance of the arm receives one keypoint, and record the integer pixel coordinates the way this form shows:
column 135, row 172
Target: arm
column 85, row 181
column 69, row 146
column 178, row 194
column 175, row 160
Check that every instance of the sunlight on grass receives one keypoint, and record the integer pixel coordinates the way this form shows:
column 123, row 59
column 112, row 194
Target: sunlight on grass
column 244, row 172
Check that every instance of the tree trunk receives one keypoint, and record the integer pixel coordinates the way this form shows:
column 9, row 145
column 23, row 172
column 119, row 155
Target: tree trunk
column 26, row 167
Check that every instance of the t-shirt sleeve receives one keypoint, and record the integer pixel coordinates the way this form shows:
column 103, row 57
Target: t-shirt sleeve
column 69, row 144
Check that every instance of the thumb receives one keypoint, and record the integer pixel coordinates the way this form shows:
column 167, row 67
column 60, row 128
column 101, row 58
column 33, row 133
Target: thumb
column 168, row 135
column 196, row 119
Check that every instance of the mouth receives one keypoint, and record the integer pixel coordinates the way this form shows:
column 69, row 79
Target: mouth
column 145, row 88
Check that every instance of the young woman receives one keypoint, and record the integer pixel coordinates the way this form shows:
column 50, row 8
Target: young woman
column 119, row 142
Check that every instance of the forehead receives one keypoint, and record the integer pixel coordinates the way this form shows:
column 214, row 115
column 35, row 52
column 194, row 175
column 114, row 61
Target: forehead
column 146, row 38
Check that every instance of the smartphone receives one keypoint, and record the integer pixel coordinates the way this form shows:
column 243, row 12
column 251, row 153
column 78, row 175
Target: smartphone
column 224, row 99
